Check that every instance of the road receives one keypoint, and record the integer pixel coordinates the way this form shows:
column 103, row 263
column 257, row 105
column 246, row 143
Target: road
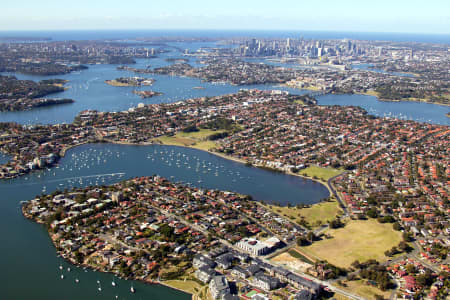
column 110, row 239
column 333, row 190
column 415, row 254
column 225, row 242
column 333, row 288
column 321, row 282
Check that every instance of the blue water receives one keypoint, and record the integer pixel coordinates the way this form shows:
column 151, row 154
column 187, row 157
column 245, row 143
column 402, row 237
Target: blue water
column 366, row 67
column 307, row 34
column 89, row 90
column 29, row 263
column 3, row 158
column 407, row 110
column 27, row 257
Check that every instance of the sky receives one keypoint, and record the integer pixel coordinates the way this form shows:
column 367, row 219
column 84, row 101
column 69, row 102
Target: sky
column 409, row 16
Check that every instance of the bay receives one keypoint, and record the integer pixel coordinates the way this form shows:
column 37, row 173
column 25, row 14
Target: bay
column 31, row 264
column 29, row 261
column 89, row 91
column 406, row 110
column 367, row 67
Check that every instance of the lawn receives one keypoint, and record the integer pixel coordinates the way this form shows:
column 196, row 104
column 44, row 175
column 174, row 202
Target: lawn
column 188, row 286
column 361, row 288
column 196, row 139
column 199, row 135
column 320, row 173
column 338, row 296
column 323, row 212
column 294, row 253
column 204, row 145
column 174, row 140
column 358, row 240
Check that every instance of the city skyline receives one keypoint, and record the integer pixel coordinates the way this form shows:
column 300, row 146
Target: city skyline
column 383, row 16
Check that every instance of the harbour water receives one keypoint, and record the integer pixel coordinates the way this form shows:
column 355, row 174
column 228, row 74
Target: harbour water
column 3, row 158
column 407, row 110
column 89, row 90
column 367, row 67
column 29, row 262
column 27, row 257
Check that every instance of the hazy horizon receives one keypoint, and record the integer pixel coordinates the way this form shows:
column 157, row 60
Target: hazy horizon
column 417, row 17
column 216, row 30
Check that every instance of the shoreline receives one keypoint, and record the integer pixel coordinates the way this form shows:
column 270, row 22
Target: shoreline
column 238, row 160
column 370, row 93
column 98, row 269
column 173, row 287
column 418, row 100
column 64, row 151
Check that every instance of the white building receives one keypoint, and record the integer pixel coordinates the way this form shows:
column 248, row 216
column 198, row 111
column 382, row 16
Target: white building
column 253, row 246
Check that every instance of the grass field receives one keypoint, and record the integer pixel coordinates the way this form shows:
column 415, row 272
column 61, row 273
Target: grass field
column 358, row 240
column 361, row 288
column 197, row 139
column 297, row 255
column 198, row 135
column 371, row 93
column 321, row 173
column 324, row 212
column 188, row 286
column 338, row 296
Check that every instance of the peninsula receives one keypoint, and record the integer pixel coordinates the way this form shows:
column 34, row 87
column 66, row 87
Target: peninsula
column 17, row 95
column 153, row 230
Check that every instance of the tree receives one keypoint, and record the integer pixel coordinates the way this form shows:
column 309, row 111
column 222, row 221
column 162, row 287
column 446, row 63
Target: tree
column 410, row 269
column 403, row 246
column 372, row 213
column 336, row 223
column 166, row 231
column 425, row 279
column 397, row 226
column 302, row 241
column 311, row 236
column 407, row 237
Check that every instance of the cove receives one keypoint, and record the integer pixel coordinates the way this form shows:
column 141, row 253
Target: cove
column 28, row 257
column 405, row 110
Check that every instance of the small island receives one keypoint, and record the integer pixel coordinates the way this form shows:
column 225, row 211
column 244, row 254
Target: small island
column 130, row 81
column 147, row 94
